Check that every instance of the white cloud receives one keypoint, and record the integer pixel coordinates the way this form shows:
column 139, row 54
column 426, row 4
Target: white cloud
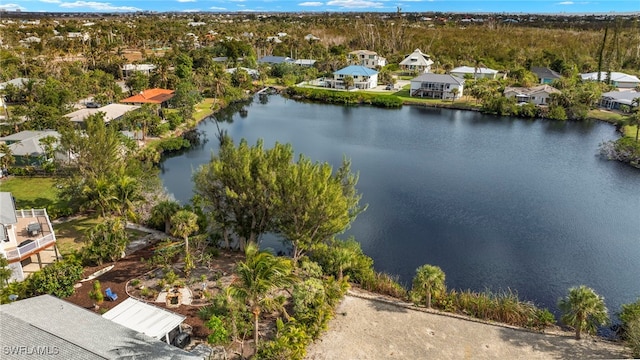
column 190, row 10
column 185, row 1
column 11, row 7
column 100, row 6
column 566, row 3
column 311, row 3
column 217, row 8
column 355, row 4
column 51, row 1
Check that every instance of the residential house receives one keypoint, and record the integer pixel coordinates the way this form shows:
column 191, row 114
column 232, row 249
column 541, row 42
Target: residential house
column 437, row 86
column 130, row 69
column 617, row 79
column 619, row 100
column 474, row 72
column 111, row 112
column 417, row 61
column 367, row 58
column 537, row 95
column 17, row 82
column 27, row 149
column 305, row 62
column 269, row 59
column 255, row 74
column 545, row 75
column 363, row 77
column 151, row 96
column 27, row 239
column 48, row 327
column 311, row 37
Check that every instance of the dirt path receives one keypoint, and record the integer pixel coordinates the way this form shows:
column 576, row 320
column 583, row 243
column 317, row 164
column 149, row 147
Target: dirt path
column 373, row 329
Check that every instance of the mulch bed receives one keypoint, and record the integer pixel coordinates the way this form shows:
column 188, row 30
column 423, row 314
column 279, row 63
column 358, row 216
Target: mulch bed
column 131, row 267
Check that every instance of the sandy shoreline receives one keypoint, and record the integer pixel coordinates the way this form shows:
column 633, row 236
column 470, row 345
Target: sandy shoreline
column 367, row 326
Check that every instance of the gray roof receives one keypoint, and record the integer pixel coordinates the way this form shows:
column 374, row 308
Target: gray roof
column 28, row 134
column 544, row 73
column 623, row 97
column 275, row 59
column 17, row 82
column 111, row 112
column 27, row 143
column 66, row 331
column 439, row 78
column 7, row 209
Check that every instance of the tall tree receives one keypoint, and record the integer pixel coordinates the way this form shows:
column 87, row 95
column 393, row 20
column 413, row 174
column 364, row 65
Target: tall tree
column 258, row 276
column 183, row 224
column 312, row 204
column 429, row 280
column 164, row 211
column 583, row 310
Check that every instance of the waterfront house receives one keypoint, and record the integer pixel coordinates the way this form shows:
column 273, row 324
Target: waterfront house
column 417, row 61
column 617, row 79
column 437, row 86
column 537, row 95
column 27, row 239
column 363, row 77
column 367, row 58
column 150, row 96
column 474, row 72
column 619, row 100
column 545, row 75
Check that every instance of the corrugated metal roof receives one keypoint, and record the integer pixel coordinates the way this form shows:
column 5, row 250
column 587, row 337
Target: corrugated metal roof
column 111, row 112
column 144, row 318
column 439, row 78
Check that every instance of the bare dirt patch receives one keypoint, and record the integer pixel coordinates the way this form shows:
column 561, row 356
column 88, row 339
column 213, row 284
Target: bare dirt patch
column 366, row 328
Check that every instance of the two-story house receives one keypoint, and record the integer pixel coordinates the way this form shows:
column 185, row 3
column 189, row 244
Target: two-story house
column 417, row 61
column 27, row 239
column 367, row 58
column 437, row 86
column 363, row 77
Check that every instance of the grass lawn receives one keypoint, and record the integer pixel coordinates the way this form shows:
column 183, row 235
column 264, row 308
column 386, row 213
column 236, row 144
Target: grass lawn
column 607, row 116
column 31, row 193
column 70, row 235
column 203, row 109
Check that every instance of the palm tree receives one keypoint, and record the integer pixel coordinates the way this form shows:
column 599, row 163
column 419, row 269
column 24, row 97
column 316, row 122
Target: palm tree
column 165, row 210
column 258, row 276
column 583, row 309
column 185, row 223
column 7, row 158
column 127, row 192
column 429, row 280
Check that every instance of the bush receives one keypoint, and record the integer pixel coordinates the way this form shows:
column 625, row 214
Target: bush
column 219, row 334
column 633, row 337
column 383, row 283
column 96, row 293
column 57, row 279
column 629, row 314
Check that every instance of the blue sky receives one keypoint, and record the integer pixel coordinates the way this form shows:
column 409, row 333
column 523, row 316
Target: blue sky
column 510, row 6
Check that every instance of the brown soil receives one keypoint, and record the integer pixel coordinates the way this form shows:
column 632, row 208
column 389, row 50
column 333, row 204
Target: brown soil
column 132, row 267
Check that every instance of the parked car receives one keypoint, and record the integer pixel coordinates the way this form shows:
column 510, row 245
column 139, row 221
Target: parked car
column 92, row 105
column 389, row 87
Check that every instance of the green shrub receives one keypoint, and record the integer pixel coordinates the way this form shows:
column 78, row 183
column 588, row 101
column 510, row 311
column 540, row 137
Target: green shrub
column 632, row 336
column 289, row 344
column 383, row 283
column 219, row 334
column 96, row 293
column 57, row 279
column 135, row 282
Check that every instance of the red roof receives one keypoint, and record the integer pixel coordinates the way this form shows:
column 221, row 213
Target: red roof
column 153, row 96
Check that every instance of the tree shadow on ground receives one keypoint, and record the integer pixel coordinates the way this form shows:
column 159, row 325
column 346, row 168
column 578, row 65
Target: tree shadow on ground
column 385, row 305
column 564, row 346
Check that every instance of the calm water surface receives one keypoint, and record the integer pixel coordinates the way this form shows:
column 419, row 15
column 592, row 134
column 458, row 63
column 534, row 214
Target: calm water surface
column 497, row 203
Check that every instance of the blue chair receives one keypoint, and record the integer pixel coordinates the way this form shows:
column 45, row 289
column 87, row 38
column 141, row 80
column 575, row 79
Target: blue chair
column 111, row 295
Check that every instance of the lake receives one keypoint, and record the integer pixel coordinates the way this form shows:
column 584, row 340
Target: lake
column 497, row 202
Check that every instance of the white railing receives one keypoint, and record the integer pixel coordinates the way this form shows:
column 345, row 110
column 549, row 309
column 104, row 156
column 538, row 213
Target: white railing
column 31, row 213
column 17, row 253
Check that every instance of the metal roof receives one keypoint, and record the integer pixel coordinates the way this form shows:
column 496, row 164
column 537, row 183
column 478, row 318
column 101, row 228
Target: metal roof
column 144, row 318
column 473, row 70
column 356, row 70
column 111, row 112
column 66, row 331
column 7, row 209
column 439, row 78
column 615, row 76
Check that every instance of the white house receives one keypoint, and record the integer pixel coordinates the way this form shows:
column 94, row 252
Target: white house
column 417, row 61
column 129, row 69
column 27, row 239
column 437, row 86
column 618, row 79
column 619, row 100
column 473, row 72
column 111, row 112
column 363, row 77
column 538, row 95
column 367, row 58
